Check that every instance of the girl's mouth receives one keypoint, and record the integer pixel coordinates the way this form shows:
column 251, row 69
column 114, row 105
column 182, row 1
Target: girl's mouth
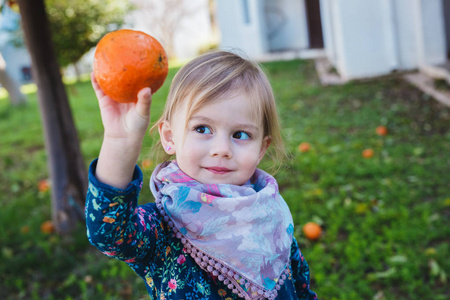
column 218, row 170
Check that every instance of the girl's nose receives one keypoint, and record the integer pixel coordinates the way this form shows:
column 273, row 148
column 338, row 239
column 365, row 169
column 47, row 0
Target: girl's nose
column 221, row 147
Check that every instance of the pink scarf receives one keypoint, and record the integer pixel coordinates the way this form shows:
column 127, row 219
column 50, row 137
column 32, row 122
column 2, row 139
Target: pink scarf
column 241, row 234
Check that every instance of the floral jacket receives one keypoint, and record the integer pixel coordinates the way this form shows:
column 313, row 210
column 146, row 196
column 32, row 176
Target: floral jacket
column 137, row 235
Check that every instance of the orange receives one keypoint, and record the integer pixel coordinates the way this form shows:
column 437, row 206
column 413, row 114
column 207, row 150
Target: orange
column 367, row 153
column 47, row 227
column 127, row 61
column 312, row 230
column 43, row 185
column 147, row 163
column 381, row 130
column 304, row 147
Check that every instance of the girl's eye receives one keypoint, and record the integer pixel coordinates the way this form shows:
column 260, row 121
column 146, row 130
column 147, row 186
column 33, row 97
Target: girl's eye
column 240, row 135
column 203, row 129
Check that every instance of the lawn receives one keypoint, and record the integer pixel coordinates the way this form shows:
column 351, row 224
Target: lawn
column 385, row 219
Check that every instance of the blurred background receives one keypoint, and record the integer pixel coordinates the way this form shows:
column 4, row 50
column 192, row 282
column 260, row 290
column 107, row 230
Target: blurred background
column 363, row 89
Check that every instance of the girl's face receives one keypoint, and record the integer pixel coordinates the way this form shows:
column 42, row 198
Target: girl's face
column 221, row 144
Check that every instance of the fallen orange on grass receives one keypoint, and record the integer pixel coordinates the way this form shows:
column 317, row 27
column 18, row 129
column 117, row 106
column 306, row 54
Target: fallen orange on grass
column 47, row 227
column 43, row 185
column 381, row 130
column 147, row 163
column 367, row 153
column 304, row 147
column 312, row 230
column 127, row 61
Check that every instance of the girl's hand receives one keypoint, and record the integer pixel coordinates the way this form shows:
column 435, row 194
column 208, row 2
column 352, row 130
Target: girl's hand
column 125, row 126
column 125, row 121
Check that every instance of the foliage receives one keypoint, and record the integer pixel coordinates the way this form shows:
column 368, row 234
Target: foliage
column 77, row 25
column 384, row 219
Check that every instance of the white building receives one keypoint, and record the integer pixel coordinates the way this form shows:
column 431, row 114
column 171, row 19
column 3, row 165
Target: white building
column 376, row 37
column 17, row 58
column 270, row 29
column 360, row 38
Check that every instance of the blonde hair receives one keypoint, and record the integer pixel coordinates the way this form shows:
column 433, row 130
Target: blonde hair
column 221, row 74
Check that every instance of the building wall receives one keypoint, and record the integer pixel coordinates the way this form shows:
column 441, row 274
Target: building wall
column 286, row 25
column 260, row 27
column 433, row 31
column 357, row 33
column 328, row 28
column 241, row 25
column 16, row 59
column 406, row 35
column 375, row 37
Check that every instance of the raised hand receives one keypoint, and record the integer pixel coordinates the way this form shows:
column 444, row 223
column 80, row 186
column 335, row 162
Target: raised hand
column 124, row 120
column 125, row 126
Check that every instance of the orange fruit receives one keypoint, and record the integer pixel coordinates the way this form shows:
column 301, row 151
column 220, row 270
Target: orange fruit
column 304, row 147
column 381, row 130
column 147, row 163
column 47, row 227
column 312, row 230
column 43, row 185
column 367, row 153
column 127, row 61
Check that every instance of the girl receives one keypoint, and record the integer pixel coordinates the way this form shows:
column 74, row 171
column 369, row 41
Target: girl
column 218, row 229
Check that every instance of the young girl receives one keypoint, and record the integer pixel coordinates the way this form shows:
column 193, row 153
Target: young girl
column 219, row 228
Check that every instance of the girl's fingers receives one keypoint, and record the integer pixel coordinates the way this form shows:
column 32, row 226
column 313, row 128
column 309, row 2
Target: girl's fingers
column 144, row 102
column 94, row 82
column 103, row 99
column 97, row 89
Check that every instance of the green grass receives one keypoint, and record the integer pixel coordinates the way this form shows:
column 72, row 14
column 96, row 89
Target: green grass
column 385, row 219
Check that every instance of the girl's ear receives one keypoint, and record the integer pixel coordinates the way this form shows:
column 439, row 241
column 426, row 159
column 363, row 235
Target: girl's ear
column 264, row 146
column 166, row 135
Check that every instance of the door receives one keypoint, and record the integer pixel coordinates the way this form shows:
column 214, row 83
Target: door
column 447, row 25
column 314, row 23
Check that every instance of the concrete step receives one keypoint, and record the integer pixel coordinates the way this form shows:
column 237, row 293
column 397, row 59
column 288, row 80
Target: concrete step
column 427, row 84
column 441, row 71
column 327, row 73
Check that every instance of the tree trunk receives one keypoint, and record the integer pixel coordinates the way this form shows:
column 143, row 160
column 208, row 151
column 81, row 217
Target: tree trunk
column 10, row 84
column 65, row 162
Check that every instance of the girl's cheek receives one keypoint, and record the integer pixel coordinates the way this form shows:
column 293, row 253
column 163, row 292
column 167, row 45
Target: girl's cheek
column 196, row 144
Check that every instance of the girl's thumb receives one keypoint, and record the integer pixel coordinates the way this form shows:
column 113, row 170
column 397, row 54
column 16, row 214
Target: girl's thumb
column 144, row 102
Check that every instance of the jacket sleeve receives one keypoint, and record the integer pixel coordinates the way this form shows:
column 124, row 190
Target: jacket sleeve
column 116, row 225
column 300, row 274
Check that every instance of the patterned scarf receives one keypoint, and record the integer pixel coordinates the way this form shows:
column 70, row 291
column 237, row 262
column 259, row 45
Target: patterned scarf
column 240, row 234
